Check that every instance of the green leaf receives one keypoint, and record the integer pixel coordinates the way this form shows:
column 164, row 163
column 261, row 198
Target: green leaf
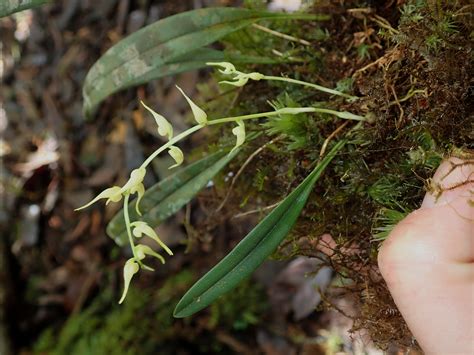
column 8, row 7
column 165, row 198
column 157, row 49
column 252, row 251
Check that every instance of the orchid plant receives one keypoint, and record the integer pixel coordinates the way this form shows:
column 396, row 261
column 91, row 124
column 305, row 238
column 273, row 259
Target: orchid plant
column 137, row 229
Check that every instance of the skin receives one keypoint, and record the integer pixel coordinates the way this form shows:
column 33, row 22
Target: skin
column 428, row 264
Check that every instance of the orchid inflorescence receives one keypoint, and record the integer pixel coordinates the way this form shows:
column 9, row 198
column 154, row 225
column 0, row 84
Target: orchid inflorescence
column 134, row 185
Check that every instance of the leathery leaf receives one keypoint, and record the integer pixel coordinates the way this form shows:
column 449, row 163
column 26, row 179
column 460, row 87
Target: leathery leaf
column 8, row 7
column 250, row 253
column 165, row 198
column 158, row 49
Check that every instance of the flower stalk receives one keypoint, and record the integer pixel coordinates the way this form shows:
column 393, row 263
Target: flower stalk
column 134, row 185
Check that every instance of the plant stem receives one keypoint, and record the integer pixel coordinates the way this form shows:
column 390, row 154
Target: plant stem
column 287, row 110
column 257, row 115
column 341, row 114
column 315, row 86
column 170, row 143
column 127, row 224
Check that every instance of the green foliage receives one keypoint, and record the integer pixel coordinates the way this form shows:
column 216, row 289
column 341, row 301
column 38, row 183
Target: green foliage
column 250, row 253
column 166, row 197
column 8, row 7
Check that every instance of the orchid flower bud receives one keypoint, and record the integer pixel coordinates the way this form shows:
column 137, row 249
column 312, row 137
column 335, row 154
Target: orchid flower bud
column 228, row 67
column 177, row 155
column 141, row 251
column 239, row 132
column 164, row 127
column 113, row 194
column 256, row 76
column 199, row 115
column 131, row 268
column 142, row 228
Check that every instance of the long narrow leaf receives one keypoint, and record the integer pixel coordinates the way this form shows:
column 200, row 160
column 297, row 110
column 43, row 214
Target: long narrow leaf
column 8, row 7
column 166, row 197
column 250, row 253
column 160, row 44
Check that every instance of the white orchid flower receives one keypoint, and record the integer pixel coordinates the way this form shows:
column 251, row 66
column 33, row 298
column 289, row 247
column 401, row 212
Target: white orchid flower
column 113, row 194
column 136, row 178
column 177, row 155
column 142, row 228
column 164, row 127
column 131, row 268
column 199, row 115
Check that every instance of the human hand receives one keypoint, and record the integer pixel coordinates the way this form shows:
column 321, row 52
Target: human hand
column 428, row 264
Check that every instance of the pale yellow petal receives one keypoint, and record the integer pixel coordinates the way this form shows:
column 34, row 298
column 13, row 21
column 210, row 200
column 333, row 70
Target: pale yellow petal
column 239, row 132
column 164, row 127
column 136, row 178
column 131, row 268
column 140, row 191
column 112, row 193
column 199, row 115
column 228, row 68
column 141, row 228
column 177, row 155
column 143, row 250
column 239, row 81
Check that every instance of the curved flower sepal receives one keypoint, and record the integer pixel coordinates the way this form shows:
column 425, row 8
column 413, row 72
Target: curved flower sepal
column 177, row 155
column 135, row 185
column 228, row 68
column 141, row 251
column 139, row 189
column 239, row 79
column 113, row 194
column 164, row 127
column 142, row 228
column 136, row 178
column 199, row 115
column 131, row 268
column 239, row 132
